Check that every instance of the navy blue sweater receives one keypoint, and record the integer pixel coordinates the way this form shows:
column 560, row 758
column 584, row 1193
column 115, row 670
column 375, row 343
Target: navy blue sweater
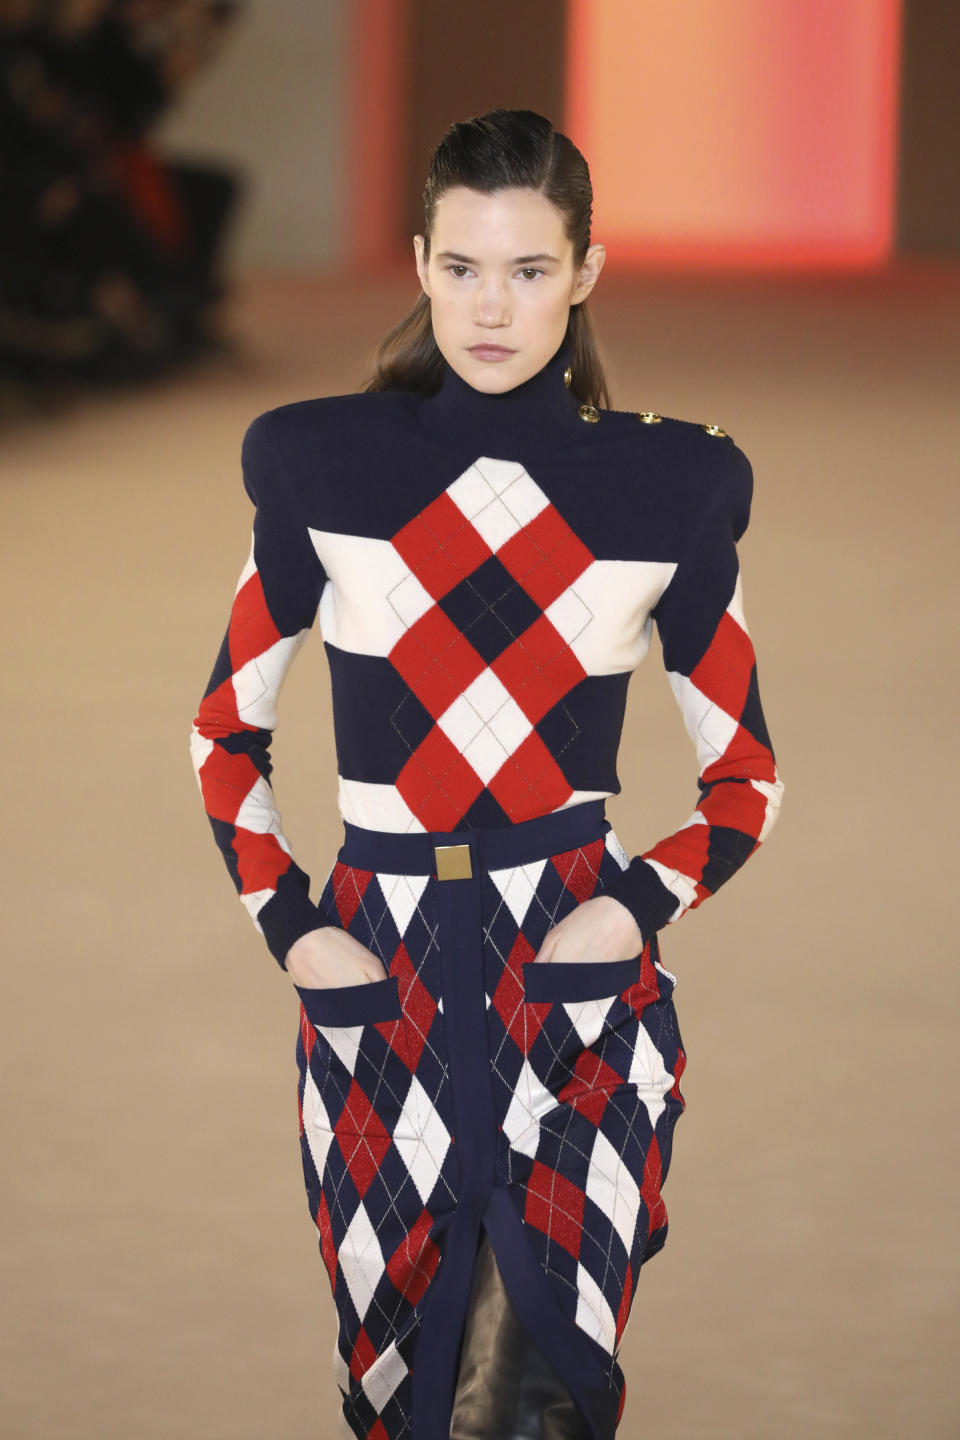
column 485, row 571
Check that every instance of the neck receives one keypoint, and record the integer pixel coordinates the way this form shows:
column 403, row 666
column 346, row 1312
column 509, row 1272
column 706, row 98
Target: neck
column 539, row 414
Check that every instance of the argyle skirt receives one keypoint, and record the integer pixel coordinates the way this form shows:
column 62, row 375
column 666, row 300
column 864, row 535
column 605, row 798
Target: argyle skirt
column 473, row 1095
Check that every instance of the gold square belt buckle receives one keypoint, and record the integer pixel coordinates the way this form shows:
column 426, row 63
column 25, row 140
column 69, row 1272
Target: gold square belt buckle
column 453, row 862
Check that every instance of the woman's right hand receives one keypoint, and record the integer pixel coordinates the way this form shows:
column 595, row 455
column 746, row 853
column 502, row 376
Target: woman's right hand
column 329, row 956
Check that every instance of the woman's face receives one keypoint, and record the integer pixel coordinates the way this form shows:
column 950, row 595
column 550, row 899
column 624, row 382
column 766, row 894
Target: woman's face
column 501, row 273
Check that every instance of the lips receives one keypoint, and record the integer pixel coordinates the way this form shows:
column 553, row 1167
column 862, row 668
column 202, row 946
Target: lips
column 493, row 351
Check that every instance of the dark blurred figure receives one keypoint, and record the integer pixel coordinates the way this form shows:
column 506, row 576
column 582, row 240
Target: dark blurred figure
column 108, row 253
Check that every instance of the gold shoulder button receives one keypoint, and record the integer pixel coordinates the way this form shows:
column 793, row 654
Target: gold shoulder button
column 714, row 430
column 649, row 417
column 588, row 412
column 568, row 377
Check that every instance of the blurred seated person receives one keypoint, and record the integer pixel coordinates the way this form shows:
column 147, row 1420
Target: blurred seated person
column 109, row 253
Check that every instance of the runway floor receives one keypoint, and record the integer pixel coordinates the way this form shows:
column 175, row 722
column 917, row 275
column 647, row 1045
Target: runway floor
column 157, row 1260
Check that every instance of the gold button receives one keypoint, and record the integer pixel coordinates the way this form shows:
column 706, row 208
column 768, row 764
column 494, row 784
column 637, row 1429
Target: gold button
column 650, row 417
column 589, row 412
column 568, row 377
column 714, row 430
column 453, row 862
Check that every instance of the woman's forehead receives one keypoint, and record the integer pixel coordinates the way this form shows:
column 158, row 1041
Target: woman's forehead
column 505, row 227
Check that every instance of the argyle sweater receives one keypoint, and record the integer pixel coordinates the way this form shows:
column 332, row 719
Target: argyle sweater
column 485, row 571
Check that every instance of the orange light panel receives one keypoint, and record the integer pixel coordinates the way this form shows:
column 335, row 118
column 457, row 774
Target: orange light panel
column 738, row 133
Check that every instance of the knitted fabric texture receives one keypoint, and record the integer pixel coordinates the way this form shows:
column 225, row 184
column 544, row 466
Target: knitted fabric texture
column 485, row 571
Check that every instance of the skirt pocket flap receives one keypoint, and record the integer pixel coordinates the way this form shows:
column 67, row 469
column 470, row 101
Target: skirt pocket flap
column 553, row 980
column 363, row 1004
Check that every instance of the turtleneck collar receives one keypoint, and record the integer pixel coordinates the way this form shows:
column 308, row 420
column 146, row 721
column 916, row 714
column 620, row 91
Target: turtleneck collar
column 539, row 414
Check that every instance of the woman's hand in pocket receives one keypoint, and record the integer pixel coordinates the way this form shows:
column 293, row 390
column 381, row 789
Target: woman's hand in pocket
column 329, row 956
column 597, row 929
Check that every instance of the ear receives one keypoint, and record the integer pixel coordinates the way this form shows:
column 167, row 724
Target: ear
column 589, row 273
column 418, row 246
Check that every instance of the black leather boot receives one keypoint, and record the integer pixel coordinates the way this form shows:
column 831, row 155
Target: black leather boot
column 506, row 1387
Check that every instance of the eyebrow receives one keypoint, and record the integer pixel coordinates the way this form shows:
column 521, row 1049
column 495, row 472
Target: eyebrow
column 519, row 260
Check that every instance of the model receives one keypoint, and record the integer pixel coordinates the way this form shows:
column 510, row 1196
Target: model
column 488, row 1048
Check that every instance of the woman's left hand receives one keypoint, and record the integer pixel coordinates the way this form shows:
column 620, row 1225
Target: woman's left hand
column 597, row 929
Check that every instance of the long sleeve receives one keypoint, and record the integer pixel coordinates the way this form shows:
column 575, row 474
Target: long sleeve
column 711, row 666
column 274, row 606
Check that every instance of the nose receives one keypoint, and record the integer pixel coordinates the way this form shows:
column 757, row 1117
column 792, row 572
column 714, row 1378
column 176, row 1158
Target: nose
column 490, row 305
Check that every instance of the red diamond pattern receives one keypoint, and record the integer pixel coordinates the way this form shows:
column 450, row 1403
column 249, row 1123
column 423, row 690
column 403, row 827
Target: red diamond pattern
column 650, row 1189
column 545, row 557
column 623, row 1314
column 442, row 548
column 412, row 1264
column 419, row 1007
column 591, row 1081
column 555, row 1206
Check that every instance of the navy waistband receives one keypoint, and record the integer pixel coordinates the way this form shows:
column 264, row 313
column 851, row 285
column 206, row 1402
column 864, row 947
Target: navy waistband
column 412, row 853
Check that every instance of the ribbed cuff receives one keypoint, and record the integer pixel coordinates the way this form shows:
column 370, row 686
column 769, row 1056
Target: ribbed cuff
column 287, row 915
column 641, row 890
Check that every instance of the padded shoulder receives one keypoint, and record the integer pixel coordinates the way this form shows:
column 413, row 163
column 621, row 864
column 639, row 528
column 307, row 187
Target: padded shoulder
column 335, row 416
column 330, row 429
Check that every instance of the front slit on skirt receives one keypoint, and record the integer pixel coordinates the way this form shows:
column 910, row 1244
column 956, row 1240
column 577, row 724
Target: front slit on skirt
column 473, row 1093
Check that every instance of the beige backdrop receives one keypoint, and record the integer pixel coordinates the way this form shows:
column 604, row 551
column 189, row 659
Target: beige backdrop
column 159, row 1266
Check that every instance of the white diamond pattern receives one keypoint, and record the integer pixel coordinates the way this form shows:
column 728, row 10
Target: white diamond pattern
column 383, row 1377
column 425, row 1149
column 316, row 1123
column 402, row 894
column 361, row 1260
column 648, row 1073
column 517, row 885
column 593, row 1313
column 530, row 1102
column 611, row 1186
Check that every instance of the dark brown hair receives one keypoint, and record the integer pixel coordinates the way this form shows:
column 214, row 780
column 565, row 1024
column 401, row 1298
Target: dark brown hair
column 492, row 152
